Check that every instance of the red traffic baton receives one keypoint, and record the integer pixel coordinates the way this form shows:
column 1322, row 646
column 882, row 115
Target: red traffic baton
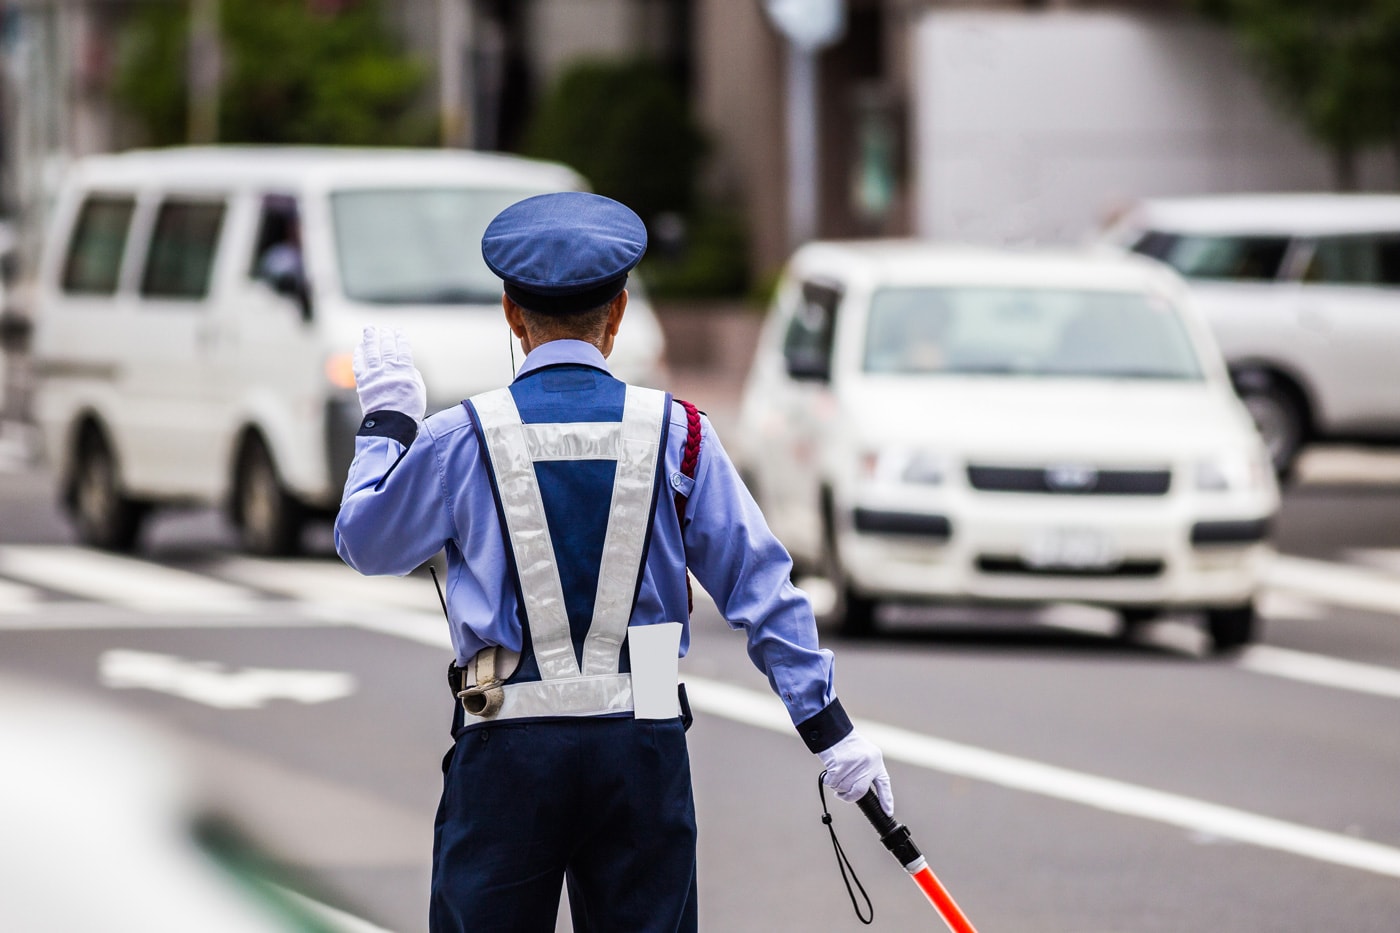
column 896, row 838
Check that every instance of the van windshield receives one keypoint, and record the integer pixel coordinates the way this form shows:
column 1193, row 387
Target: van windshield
column 417, row 245
column 1027, row 332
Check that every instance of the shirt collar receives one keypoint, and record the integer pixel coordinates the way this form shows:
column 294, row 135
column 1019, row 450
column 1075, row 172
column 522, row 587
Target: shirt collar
column 556, row 352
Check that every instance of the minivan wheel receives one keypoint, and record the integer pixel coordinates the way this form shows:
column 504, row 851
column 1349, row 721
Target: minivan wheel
column 853, row 612
column 269, row 519
column 103, row 517
column 1282, row 423
column 1230, row 628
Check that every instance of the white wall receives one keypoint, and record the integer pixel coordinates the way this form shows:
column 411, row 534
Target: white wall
column 1035, row 127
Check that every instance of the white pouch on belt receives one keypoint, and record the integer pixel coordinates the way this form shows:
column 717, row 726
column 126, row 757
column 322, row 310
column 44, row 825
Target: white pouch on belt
column 654, row 651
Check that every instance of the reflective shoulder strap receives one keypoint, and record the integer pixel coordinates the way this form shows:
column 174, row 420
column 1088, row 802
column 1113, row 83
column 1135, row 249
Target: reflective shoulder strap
column 644, row 416
column 522, row 507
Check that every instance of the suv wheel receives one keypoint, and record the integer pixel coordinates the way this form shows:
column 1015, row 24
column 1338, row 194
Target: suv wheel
column 1278, row 414
column 269, row 518
column 1230, row 628
column 103, row 516
column 853, row 612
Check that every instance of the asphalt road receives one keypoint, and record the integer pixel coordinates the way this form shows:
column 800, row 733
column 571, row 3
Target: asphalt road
column 1058, row 778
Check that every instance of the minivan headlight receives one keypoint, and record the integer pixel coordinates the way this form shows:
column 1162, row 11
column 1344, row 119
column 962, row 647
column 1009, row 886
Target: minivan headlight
column 1232, row 473
column 901, row 466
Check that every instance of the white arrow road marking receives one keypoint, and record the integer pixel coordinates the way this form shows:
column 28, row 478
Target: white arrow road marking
column 1196, row 816
column 212, row 684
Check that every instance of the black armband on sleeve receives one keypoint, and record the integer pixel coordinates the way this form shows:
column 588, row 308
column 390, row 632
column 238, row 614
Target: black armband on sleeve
column 825, row 729
column 391, row 424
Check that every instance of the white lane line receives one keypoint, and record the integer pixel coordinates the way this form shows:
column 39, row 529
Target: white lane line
column 213, row 684
column 126, row 581
column 1336, row 584
column 17, row 598
column 1321, row 670
column 1196, row 816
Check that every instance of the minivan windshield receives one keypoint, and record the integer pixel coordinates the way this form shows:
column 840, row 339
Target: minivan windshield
column 417, row 245
column 1027, row 332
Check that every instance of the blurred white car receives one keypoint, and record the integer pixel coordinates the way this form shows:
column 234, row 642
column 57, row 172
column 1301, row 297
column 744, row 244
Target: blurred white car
column 1301, row 291
column 196, row 310
column 933, row 423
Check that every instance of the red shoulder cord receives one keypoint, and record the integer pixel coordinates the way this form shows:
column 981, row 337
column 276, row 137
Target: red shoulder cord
column 689, row 459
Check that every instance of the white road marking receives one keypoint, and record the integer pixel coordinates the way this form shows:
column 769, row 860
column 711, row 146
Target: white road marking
column 1336, row 584
column 329, row 582
column 212, row 684
column 126, row 581
column 1325, row 671
column 16, row 597
column 1195, row 816
column 335, row 918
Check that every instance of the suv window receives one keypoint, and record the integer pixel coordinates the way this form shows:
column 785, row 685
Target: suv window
column 1196, row 256
column 95, row 250
column 181, row 258
column 807, row 343
column 1368, row 259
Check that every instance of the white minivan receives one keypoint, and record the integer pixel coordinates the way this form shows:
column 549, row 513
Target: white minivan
column 197, row 309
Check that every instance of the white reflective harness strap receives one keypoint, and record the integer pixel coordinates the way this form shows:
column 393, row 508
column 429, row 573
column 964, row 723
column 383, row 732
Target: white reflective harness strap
column 523, row 509
column 634, row 492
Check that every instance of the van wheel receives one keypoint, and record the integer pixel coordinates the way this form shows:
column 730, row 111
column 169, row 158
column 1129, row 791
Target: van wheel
column 269, row 519
column 104, row 518
column 1230, row 628
column 1281, row 419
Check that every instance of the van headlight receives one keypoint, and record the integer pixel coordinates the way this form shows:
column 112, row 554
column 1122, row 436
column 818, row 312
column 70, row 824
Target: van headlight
column 904, row 467
column 1237, row 472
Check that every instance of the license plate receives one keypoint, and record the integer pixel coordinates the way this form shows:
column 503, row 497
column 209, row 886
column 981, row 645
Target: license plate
column 1071, row 548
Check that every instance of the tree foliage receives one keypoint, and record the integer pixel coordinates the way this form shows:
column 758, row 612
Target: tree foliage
column 627, row 128
column 1334, row 63
column 290, row 75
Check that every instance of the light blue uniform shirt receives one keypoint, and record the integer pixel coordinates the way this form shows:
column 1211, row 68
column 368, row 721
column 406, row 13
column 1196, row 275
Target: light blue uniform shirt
column 404, row 504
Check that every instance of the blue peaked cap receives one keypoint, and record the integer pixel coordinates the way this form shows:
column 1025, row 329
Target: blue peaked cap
column 564, row 253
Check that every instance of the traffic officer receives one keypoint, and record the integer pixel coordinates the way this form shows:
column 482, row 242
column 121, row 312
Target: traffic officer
column 567, row 593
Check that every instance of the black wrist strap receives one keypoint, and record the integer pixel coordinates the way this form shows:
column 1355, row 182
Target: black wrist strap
column 848, row 872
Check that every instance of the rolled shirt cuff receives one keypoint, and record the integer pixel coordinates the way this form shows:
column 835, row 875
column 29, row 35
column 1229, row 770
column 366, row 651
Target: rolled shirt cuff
column 826, row 728
column 391, row 424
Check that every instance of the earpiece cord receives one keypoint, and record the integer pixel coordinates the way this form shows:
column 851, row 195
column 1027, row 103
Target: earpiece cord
column 844, row 863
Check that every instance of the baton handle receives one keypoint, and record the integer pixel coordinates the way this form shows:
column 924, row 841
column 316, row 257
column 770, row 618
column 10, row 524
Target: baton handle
column 894, row 836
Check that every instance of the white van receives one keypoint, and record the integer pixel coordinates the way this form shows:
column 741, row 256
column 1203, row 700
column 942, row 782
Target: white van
column 197, row 309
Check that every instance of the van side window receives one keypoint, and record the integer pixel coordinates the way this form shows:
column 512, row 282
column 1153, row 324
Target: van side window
column 277, row 251
column 181, row 258
column 1199, row 256
column 95, row 250
column 1370, row 259
column 808, row 341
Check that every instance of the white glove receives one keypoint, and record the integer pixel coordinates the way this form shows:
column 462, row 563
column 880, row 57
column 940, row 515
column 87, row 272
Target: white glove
column 385, row 377
column 852, row 766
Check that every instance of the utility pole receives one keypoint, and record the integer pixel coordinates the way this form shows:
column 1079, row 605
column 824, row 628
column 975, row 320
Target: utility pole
column 203, row 69
column 809, row 26
column 456, row 72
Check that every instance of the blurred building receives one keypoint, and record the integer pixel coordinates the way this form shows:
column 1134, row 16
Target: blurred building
column 947, row 118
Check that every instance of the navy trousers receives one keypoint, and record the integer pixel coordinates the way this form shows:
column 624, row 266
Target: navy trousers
column 602, row 804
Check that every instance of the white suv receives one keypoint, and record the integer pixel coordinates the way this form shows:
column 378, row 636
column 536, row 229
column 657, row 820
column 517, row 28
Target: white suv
column 1303, row 294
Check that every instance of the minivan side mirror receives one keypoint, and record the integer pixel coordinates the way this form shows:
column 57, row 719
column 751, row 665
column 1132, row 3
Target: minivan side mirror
column 292, row 284
column 808, row 366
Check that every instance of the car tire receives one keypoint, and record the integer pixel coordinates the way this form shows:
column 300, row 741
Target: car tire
column 852, row 612
column 1281, row 418
column 1230, row 628
column 104, row 517
column 1131, row 619
column 269, row 519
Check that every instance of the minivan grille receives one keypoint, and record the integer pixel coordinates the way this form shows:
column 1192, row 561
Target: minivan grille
column 1069, row 480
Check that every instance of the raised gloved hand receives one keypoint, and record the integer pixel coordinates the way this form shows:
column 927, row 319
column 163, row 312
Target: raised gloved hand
column 852, row 766
column 385, row 377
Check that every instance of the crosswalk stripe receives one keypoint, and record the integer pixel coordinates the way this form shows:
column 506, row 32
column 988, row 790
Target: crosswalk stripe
column 1336, row 584
column 329, row 582
column 124, row 581
column 16, row 597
